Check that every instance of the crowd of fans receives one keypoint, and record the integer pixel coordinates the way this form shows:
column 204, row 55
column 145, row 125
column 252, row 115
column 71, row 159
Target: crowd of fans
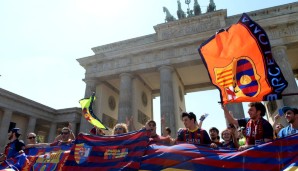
column 240, row 134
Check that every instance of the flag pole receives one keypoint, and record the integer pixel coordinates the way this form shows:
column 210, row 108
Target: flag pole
column 289, row 94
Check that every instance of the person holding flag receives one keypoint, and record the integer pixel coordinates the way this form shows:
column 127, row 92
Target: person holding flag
column 258, row 130
column 14, row 147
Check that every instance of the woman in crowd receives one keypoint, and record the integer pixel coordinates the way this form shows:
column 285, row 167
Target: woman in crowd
column 230, row 140
column 120, row 128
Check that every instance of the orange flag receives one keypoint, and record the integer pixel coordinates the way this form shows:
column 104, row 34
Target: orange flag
column 240, row 64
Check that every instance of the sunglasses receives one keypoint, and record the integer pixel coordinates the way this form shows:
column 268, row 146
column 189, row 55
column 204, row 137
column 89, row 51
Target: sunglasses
column 116, row 129
column 31, row 138
column 64, row 133
column 152, row 125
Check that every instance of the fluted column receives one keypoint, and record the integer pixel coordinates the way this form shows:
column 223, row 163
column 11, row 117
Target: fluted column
column 31, row 124
column 236, row 109
column 125, row 97
column 52, row 132
column 167, row 106
column 4, row 128
column 74, row 127
column 91, row 84
column 281, row 58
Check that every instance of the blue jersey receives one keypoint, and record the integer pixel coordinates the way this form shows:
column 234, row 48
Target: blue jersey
column 287, row 131
column 228, row 145
column 13, row 148
column 198, row 137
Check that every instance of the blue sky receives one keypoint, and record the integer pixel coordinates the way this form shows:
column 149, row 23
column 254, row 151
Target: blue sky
column 41, row 40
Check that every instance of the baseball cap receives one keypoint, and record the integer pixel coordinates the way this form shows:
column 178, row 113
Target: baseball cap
column 286, row 108
column 15, row 130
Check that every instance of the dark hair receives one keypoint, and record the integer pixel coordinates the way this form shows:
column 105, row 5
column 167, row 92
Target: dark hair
column 15, row 131
column 17, row 135
column 151, row 121
column 286, row 108
column 190, row 115
column 259, row 106
column 169, row 130
column 214, row 129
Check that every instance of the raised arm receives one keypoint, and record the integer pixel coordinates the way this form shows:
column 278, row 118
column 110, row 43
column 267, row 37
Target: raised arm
column 72, row 136
column 229, row 116
column 130, row 124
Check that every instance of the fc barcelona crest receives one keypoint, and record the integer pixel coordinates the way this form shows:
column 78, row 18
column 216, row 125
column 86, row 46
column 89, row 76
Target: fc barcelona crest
column 82, row 152
column 239, row 79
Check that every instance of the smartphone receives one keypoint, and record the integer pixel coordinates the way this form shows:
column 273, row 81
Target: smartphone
column 280, row 112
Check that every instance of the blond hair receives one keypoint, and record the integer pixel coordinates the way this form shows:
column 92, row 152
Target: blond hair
column 120, row 125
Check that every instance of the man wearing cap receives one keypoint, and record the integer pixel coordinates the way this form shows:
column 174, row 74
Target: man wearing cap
column 258, row 130
column 15, row 145
column 291, row 115
column 192, row 133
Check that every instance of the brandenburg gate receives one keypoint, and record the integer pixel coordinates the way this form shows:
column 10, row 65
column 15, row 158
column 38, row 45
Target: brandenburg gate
column 127, row 75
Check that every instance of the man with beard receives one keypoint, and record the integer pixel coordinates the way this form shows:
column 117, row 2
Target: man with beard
column 192, row 134
column 291, row 115
column 258, row 130
column 14, row 147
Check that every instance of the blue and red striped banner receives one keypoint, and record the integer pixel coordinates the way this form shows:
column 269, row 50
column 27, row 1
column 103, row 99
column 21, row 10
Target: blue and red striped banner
column 122, row 152
column 131, row 152
column 276, row 155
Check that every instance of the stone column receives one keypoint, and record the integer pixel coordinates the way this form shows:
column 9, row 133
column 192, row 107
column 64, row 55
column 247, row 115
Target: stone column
column 31, row 125
column 52, row 132
column 281, row 58
column 236, row 109
column 4, row 128
column 74, row 128
column 125, row 97
column 85, row 126
column 272, row 110
column 167, row 106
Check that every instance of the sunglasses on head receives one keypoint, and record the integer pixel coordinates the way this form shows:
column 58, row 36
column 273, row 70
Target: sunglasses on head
column 31, row 138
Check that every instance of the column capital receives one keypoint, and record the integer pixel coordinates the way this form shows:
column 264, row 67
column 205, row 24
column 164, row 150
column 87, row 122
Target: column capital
column 92, row 81
column 126, row 75
column 91, row 84
column 32, row 117
column 6, row 110
column 167, row 67
column 279, row 48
